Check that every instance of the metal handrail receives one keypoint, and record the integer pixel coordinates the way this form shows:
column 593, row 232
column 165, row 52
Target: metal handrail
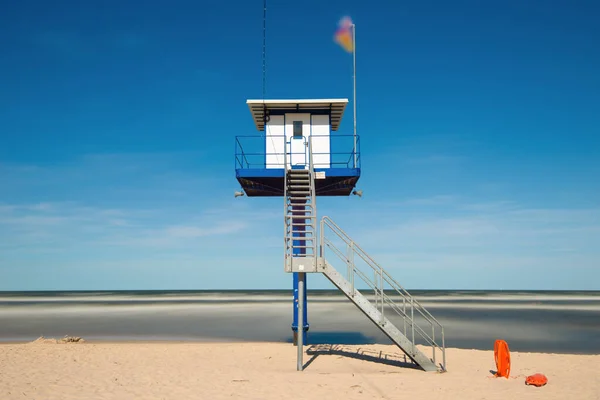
column 242, row 154
column 286, row 245
column 242, row 157
column 313, row 195
column 380, row 295
column 402, row 291
column 343, row 235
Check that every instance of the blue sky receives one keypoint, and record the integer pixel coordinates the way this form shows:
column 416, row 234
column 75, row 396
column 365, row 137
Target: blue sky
column 479, row 133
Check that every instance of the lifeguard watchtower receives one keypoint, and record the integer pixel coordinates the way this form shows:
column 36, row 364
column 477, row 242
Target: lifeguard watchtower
column 299, row 155
column 288, row 125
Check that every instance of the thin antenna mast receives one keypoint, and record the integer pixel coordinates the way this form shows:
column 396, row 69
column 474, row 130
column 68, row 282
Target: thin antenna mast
column 264, row 52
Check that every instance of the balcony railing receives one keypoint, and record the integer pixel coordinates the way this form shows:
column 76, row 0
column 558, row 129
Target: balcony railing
column 258, row 152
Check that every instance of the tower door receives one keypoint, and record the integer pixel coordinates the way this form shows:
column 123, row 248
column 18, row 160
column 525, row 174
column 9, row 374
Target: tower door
column 297, row 131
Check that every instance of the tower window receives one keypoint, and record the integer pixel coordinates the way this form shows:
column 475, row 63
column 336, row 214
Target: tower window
column 297, row 129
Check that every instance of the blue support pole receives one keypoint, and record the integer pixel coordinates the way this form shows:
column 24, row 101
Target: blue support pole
column 299, row 232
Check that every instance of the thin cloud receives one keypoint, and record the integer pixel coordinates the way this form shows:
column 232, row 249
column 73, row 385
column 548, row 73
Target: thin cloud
column 68, row 224
column 221, row 228
column 490, row 206
column 434, row 159
column 479, row 237
column 145, row 178
column 442, row 199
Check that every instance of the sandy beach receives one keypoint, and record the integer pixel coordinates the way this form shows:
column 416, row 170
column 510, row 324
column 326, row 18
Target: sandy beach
column 159, row 370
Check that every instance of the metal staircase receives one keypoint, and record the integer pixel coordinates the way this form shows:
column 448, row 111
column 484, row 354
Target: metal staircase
column 300, row 217
column 390, row 300
column 303, row 254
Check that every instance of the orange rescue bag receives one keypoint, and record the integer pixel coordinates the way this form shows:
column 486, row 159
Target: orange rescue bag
column 502, row 358
column 536, row 380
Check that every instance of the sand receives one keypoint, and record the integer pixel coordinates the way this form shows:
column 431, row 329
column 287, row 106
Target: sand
column 86, row 370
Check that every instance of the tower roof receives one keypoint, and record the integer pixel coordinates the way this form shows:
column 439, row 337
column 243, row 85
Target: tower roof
column 336, row 109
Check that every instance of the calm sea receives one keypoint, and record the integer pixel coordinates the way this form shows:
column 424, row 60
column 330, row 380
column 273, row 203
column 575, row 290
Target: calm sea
column 561, row 322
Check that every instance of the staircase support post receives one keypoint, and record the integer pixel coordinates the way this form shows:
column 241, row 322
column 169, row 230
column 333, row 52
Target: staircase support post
column 301, row 308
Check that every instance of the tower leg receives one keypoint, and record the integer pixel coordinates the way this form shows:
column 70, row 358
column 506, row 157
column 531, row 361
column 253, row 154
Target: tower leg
column 296, row 307
column 301, row 298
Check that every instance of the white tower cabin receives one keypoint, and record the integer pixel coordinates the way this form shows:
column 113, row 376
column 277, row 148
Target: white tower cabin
column 286, row 128
column 292, row 122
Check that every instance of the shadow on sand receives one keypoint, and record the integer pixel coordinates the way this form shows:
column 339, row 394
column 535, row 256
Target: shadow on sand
column 342, row 344
column 332, row 337
column 396, row 360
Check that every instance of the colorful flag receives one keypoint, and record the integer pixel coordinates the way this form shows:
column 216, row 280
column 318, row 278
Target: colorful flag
column 343, row 34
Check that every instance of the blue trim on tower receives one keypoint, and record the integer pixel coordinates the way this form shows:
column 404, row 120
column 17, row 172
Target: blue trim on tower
column 279, row 172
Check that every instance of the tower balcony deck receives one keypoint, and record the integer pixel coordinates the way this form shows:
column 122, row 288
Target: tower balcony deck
column 259, row 164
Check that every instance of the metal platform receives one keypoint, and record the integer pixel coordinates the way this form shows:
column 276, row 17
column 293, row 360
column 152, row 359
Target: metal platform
column 259, row 178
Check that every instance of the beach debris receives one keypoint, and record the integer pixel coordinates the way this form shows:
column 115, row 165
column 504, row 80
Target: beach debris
column 43, row 340
column 66, row 339
column 536, row 380
column 502, row 358
column 72, row 339
column 357, row 387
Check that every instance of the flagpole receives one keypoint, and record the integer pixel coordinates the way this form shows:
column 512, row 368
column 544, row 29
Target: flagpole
column 354, row 85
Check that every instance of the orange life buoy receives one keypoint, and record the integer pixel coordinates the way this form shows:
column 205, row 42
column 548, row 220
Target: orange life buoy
column 536, row 380
column 502, row 358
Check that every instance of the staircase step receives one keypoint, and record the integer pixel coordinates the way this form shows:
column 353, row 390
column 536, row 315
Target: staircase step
column 305, row 238
column 298, row 172
column 299, row 187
